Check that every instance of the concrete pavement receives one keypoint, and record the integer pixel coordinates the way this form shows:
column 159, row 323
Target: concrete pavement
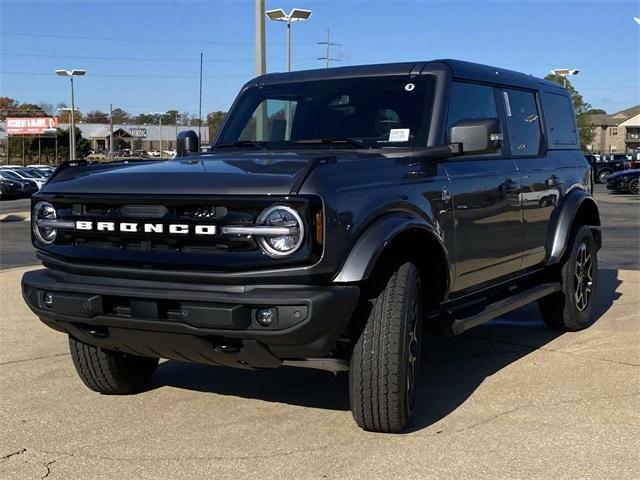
column 507, row 400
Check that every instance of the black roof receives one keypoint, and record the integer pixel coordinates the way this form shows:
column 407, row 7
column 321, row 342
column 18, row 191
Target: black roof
column 458, row 69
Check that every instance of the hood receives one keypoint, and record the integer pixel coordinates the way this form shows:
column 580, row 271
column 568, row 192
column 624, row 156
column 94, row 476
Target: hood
column 255, row 173
column 635, row 171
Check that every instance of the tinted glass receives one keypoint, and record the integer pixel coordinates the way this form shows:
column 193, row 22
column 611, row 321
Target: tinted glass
column 523, row 122
column 559, row 120
column 470, row 101
column 392, row 111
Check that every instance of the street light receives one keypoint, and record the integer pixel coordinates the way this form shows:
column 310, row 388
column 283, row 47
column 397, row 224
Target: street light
column 71, row 74
column 295, row 15
column 564, row 73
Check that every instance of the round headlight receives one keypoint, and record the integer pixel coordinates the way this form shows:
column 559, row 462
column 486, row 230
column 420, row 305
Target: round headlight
column 43, row 211
column 281, row 216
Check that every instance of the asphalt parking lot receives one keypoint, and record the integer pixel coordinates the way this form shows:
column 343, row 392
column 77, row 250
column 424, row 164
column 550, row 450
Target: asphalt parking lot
column 508, row 400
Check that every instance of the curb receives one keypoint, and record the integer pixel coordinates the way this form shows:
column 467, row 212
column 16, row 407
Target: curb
column 15, row 217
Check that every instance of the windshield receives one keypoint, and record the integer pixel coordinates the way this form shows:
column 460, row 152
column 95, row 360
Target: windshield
column 388, row 111
column 10, row 175
column 25, row 174
column 35, row 174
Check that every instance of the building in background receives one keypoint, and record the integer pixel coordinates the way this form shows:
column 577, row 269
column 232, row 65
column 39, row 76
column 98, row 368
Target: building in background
column 617, row 132
column 134, row 137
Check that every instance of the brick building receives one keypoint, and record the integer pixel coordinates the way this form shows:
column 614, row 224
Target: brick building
column 617, row 132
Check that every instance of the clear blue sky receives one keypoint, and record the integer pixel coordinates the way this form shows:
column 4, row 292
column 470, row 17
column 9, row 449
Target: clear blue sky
column 144, row 55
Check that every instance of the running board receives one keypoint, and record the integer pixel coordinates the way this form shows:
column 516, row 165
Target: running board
column 501, row 307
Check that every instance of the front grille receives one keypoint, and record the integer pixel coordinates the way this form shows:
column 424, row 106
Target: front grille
column 149, row 242
column 151, row 250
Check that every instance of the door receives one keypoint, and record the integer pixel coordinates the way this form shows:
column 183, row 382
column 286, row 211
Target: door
column 544, row 174
column 485, row 190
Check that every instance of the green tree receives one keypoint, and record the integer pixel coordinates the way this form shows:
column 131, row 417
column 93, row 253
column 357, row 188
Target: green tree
column 146, row 118
column 120, row 116
column 7, row 106
column 595, row 111
column 96, row 116
column 583, row 110
column 214, row 122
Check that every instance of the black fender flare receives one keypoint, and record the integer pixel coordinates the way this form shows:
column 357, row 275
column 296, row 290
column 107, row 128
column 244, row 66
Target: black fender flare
column 560, row 230
column 372, row 242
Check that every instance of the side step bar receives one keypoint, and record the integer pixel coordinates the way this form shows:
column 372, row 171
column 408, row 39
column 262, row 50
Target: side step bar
column 493, row 310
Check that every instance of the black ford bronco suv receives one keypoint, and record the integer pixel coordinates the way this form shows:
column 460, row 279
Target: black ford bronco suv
column 338, row 213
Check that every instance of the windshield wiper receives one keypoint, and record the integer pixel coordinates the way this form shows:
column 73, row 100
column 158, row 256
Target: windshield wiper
column 242, row 143
column 321, row 141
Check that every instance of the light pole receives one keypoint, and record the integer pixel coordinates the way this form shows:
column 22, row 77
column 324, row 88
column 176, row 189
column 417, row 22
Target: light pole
column 295, row 15
column 564, row 73
column 160, row 114
column 67, row 109
column 71, row 74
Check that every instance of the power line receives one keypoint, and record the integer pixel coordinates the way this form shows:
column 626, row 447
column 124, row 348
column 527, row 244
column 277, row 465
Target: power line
column 124, row 75
column 135, row 59
column 134, row 40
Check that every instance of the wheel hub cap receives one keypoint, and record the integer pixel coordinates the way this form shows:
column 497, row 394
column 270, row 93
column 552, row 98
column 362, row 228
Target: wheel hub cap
column 583, row 276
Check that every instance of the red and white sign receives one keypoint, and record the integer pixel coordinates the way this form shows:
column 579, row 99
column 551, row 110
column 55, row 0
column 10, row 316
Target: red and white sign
column 29, row 125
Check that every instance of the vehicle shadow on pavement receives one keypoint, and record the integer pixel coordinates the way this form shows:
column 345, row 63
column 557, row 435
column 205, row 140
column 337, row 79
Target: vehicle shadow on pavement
column 452, row 367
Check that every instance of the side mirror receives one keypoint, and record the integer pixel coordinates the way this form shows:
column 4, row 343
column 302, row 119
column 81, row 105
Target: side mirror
column 187, row 143
column 478, row 135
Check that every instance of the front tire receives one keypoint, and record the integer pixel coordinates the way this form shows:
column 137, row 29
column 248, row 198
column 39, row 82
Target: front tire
column 634, row 186
column 384, row 365
column 571, row 309
column 110, row 372
column 602, row 176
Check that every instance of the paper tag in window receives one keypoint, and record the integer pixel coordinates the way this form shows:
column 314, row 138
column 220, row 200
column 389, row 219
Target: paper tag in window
column 399, row 135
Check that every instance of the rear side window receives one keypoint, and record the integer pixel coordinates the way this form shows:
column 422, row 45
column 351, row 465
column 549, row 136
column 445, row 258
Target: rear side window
column 560, row 121
column 523, row 123
column 469, row 101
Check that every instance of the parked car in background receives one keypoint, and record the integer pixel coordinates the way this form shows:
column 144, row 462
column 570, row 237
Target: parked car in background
column 24, row 174
column 13, row 186
column 606, row 165
column 627, row 181
column 10, row 189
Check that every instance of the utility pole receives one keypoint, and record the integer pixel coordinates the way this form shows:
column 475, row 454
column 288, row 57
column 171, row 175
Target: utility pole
column 200, row 107
column 261, row 67
column 327, row 55
column 111, row 129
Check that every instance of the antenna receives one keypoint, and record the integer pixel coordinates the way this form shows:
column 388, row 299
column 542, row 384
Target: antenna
column 328, row 44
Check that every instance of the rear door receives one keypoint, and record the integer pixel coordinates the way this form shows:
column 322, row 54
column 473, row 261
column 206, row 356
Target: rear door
column 485, row 190
column 545, row 173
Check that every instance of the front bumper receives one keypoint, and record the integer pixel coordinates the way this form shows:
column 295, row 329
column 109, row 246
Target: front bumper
column 617, row 184
column 194, row 322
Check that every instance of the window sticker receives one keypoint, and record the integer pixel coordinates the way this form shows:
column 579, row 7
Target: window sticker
column 399, row 135
column 409, row 87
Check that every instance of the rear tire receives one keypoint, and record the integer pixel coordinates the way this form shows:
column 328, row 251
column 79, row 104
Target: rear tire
column 384, row 365
column 571, row 309
column 110, row 372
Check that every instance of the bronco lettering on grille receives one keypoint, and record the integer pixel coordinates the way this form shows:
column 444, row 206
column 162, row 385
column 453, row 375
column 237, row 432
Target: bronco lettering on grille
column 135, row 227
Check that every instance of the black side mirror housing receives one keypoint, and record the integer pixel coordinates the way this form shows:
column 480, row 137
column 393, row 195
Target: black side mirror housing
column 187, row 143
column 476, row 136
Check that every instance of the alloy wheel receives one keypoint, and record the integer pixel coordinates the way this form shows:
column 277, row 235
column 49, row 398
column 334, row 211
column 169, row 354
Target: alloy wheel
column 583, row 277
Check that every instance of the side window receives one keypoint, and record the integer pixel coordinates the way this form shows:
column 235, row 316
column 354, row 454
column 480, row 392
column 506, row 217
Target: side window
column 523, row 122
column 469, row 100
column 559, row 121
